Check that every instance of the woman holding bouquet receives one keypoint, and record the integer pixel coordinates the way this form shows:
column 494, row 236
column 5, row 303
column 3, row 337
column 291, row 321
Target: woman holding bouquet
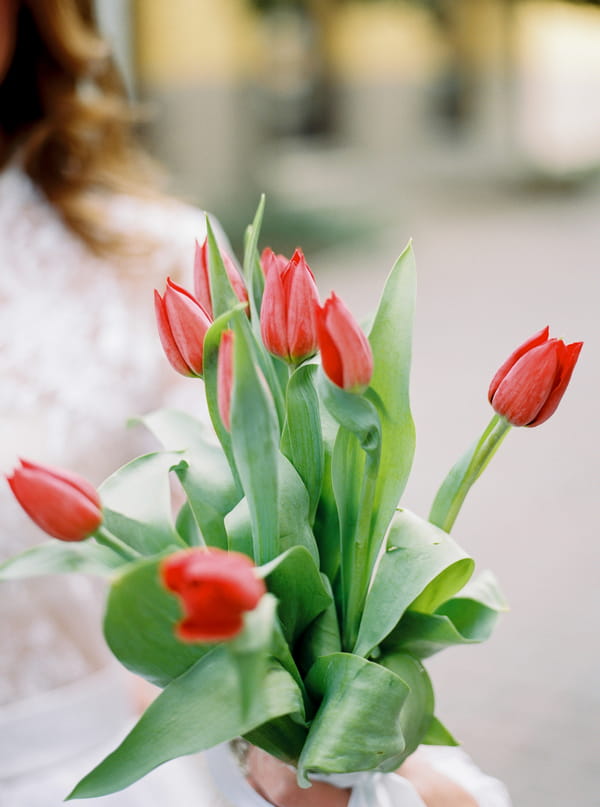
column 84, row 237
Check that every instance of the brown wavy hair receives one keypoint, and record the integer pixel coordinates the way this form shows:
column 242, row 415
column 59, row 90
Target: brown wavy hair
column 64, row 107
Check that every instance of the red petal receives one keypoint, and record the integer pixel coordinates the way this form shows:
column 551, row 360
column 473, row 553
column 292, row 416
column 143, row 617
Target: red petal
column 166, row 338
column 535, row 340
column 70, row 478
column 201, row 277
column 567, row 359
column 273, row 320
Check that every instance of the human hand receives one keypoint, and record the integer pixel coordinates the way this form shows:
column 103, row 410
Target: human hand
column 433, row 787
column 277, row 783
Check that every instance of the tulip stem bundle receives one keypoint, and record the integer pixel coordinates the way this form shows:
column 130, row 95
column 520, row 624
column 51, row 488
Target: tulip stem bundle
column 292, row 601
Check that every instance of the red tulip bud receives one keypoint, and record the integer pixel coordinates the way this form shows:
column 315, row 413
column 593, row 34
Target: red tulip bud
column 345, row 350
column 216, row 588
column 225, row 377
column 288, row 312
column 202, row 278
column 528, row 387
column 182, row 325
column 63, row 504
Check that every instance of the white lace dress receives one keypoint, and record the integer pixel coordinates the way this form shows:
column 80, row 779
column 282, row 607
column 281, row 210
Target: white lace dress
column 78, row 356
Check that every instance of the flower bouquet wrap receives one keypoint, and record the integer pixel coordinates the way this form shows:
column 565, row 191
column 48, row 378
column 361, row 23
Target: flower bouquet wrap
column 290, row 600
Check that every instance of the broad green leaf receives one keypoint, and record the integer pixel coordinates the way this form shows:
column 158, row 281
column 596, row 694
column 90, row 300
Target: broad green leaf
column 59, row 557
column 139, row 626
column 295, row 580
column 421, row 568
column 255, row 441
column 322, row 637
column 354, row 412
column 251, row 649
column 204, row 471
column 293, row 528
column 136, row 501
column 357, row 726
column 438, row 734
column 238, row 527
column 294, row 518
column 187, row 526
column 210, row 361
column 196, row 711
column 301, row 441
column 467, row 618
column 283, row 737
column 347, row 472
column 391, row 341
column 416, row 712
column 326, row 525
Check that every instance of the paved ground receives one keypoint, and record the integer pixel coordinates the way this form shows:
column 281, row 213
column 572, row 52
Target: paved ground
column 498, row 261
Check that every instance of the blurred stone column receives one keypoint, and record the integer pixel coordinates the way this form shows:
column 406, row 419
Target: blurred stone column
column 193, row 62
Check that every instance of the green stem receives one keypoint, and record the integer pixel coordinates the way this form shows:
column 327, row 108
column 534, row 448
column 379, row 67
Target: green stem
column 360, row 571
column 467, row 470
column 105, row 538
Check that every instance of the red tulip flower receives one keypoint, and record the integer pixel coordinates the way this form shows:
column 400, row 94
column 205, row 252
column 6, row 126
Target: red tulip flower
column 182, row 325
column 528, row 387
column 216, row 588
column 63, row 504
column 202, row 278
column 345, row 350
column 225, row 377
column 288, row 312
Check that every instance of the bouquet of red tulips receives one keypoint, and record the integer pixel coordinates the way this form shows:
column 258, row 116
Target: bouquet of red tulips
column 290, row 600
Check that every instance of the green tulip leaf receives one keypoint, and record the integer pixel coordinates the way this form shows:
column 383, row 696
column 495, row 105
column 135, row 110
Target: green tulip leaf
column 212, row 341
column 416, row 712
column 322, row 637
column 468, row 618
column 139, row 625
column 255, row 441
column 252, row 269
column 187, row 526
column 421, row 568
column 251, row 649
column 301, row 441
column 357, row 726
column 354, row 412
column 438, row 734
column 222, row 295
column 136, row 502
column 295, row 580
column 196, row 711
column 391, row 342
column 204, row 472
column 60, row 557
column 293, row 526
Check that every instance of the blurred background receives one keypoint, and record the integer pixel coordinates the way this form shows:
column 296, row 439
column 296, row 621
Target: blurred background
column 472, row 126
